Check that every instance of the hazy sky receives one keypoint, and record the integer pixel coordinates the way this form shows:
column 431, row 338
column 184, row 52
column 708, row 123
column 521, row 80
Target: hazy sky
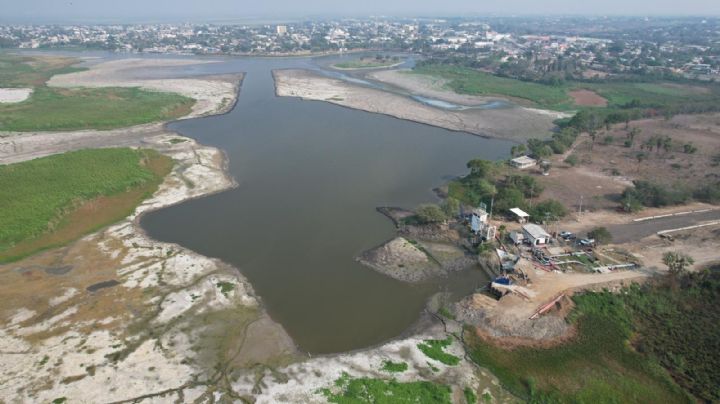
column 155, row 10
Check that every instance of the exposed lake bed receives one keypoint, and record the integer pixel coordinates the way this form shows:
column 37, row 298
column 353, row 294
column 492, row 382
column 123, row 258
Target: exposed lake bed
column 262, row 188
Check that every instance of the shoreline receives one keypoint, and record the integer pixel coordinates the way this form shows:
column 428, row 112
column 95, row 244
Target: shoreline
column 199, row 171
column 193, row 300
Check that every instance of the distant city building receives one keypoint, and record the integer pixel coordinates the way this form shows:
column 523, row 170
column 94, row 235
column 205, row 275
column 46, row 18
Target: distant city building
column 281, row 29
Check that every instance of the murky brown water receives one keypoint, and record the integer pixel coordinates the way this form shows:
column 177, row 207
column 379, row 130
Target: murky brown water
column 311, row 175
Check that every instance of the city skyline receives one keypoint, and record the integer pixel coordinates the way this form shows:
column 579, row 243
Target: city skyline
column 133, row 11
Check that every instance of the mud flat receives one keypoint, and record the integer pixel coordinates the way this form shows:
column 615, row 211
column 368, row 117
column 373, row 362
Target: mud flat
column 302, row 382
column 11, row 95
column 213, row 94
column 514, row 123
column 168, row 321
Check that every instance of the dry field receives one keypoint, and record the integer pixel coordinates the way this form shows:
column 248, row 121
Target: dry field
column 587, row 98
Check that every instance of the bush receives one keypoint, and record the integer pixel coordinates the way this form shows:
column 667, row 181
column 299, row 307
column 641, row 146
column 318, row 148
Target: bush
column 550, row 209
column 600, row 234
column 654, row 195
column 571, row 160
column 708, row 193
column 430, row 213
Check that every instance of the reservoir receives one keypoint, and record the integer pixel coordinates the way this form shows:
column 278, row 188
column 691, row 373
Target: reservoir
column 310, row 176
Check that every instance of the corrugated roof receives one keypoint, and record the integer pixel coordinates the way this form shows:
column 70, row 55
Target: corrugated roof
column 519, row 212
column 522, row 160
column 535, row 231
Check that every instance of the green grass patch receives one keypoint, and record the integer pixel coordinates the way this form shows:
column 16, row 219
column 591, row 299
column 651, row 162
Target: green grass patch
column 367, row 63
column 86, row 108
column 464, row 80
column 225, row 287
column 597, row 366
column 348, row 390
column 29, row 71
column 647, row 94
column 446, row 313
column 470, row 396
column 435, row 349
column 394, row 367
column 53, row 200
column 660, row 95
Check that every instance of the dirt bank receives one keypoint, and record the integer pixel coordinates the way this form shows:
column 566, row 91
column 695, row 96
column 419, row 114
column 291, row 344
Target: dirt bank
column 509, row 317
column 515, row 123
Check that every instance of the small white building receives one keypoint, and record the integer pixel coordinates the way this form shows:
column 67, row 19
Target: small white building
column 520, row 215
column 517, row 237
column 535, row 234
column 523, row 162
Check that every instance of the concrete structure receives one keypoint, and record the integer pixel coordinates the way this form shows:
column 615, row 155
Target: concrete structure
column 281, row 29
column 535, row 234
column 520, row 215
column 517, row 237
column 523, row 162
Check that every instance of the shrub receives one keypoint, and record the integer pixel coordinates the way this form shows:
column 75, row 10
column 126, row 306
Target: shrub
column 571, row 160
column 601, row 235
column 550, row 209
column 654, row 195
column 430, row 213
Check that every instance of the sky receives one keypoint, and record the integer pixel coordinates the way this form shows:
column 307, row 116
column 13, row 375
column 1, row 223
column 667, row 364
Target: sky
column 209, row 10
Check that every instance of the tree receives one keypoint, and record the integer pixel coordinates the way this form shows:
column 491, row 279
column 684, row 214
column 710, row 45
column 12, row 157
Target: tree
column 601, row 235
column 518, row 150
column 677, row 262
column 548, row 209
column 430, row 213
column 630, row 203
column 451, row 207
column 480, row 168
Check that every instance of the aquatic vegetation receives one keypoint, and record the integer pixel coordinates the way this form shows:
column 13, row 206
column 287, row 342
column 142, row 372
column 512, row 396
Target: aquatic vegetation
column 435, row 349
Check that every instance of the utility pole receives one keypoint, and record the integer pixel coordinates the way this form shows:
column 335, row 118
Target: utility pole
column 492, row 201
column 580, row 207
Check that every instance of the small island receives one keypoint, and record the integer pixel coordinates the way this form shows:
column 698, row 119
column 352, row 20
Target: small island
column 369, row 62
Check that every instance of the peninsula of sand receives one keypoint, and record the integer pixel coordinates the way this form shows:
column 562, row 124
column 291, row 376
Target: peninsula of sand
column 511, row 122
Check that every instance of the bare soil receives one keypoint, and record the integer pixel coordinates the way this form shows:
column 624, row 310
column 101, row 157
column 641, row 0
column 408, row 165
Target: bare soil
column 514, row 123
column 585, row 97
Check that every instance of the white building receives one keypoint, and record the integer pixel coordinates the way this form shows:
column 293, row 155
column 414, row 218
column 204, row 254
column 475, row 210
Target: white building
column 535, row 234
column 520, row 214
column 523, row 162
column 281, row 29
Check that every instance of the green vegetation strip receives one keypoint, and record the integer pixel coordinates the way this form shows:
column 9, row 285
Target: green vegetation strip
column 37, row 196
column 464, row 80
column 621, row 95
column 394, row 367
column 28, row 71
column 77, row 108
column 348, row 390
column 98, row 108
column 673, row 326
column 435, row 349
